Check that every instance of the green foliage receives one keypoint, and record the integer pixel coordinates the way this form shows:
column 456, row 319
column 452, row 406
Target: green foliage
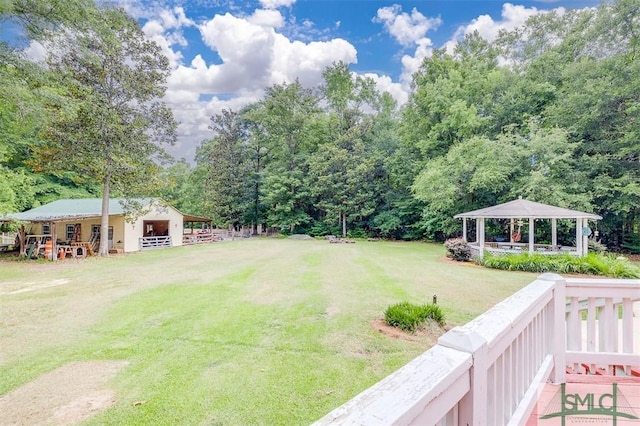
column 596, row 246
column 632, row 243
column 226, row 180
column 592, row 264
column 458, row 249
column 559, row 125
column 409, row 317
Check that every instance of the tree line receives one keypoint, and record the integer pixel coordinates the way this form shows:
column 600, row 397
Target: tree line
column 549, row 111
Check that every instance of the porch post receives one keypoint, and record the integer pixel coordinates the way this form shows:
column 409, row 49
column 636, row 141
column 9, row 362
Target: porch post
column 554, row 234
column 531, row 234
column 54, row 239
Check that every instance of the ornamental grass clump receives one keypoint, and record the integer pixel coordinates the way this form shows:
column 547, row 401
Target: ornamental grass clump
column 409, row 317
column 592, row 264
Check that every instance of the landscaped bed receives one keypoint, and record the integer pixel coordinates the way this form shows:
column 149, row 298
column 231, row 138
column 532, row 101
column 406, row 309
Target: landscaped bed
column 258, row 331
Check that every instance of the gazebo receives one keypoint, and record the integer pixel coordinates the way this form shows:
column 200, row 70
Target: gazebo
column 517, row 212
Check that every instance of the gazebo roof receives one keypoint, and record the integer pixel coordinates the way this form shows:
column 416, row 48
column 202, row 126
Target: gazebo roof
column 526, row 209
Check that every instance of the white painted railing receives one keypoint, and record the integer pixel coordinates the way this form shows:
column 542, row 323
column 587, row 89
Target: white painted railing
column 8, row 237
column 600, row 325
column 490, row 371
column 146, row 243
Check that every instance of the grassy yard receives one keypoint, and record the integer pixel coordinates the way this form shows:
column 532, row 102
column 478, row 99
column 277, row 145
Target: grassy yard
column 258, row 331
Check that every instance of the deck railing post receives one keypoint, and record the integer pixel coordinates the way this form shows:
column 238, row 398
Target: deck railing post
column 472, row 409
column 558, row 339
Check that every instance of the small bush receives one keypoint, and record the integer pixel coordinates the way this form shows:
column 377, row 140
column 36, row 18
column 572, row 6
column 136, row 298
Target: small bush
column 597, row 247
column 458, row 249
column 408, row 316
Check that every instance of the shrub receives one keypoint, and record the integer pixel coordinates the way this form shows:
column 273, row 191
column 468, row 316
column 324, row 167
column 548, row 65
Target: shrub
column 592, row 264
column 458, row 249
column 597, row 247
column 408, row 316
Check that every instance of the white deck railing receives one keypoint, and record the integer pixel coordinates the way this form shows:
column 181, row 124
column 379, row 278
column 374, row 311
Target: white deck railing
column 600, row 325
column 490, row 371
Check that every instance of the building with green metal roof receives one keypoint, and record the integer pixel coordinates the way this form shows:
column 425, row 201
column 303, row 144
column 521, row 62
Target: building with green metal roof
column 134, row 224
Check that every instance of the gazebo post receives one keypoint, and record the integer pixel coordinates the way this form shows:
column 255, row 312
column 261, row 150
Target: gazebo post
column 464, row 229
column 477, row 240
column 480, row 236
column 579, row 236
column 511, row 230
column 531, row 234
column 585, row 238
column 554, row 234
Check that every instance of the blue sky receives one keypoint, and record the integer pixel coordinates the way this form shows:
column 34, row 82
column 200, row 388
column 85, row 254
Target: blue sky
column 225, row 53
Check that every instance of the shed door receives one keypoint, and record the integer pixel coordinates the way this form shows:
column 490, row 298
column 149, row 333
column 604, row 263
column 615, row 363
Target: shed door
column 95, row 229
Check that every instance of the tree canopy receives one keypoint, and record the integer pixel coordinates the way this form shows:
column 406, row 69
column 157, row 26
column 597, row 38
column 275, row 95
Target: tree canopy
column 548, row 111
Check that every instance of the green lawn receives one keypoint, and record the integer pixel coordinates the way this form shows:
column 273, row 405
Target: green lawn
column 259, row 331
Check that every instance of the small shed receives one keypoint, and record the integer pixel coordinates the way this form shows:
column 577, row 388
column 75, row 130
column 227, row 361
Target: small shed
column 518, row 212
column 134, row 224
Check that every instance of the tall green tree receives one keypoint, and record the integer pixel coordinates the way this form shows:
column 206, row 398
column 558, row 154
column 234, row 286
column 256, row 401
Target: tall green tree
column 110, row 121
column 341, row 169
column 26, row 88
column 227, row 171
column 283, row 125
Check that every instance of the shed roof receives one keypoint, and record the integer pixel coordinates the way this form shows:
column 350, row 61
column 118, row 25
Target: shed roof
column 526, row 209
column 192, row 218
column 75, row 209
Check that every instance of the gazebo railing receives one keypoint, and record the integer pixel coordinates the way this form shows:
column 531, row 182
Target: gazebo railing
column 511, row 248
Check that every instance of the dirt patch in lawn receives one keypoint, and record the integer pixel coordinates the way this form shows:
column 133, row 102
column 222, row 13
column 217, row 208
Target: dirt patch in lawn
column 64, row 396
column 427, row 333
column 445, row 259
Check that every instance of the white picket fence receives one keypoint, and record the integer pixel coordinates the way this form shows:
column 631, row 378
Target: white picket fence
column 490, row 370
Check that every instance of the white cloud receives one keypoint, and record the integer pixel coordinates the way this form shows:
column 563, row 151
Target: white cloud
column 267, row 18
column 166, row 30
column 35, row 52
column 253, row 56
column 274, row 4
column 195, row 117
column 384, row 83
column 512, row 17
column 411, row 64
column 406, row 29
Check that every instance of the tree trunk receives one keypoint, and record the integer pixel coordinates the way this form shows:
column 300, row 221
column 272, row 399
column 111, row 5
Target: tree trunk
column 344, row 224
column 104, row 220
column 22, row 239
